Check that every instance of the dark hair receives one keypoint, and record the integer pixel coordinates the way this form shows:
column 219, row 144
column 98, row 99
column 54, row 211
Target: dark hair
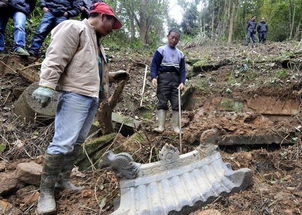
column 93, row 15
column 175, row 31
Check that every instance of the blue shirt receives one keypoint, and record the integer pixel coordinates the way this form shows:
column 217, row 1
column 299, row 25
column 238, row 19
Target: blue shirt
column 166, row 56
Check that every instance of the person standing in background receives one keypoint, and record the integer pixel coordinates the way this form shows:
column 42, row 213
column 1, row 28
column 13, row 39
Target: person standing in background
column 168, row 73
column 19, row 10
column 85, row 7
column 262, row 30
column 55, row 12
column 251, row 30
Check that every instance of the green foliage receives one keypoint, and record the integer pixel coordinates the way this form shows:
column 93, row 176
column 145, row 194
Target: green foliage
column 202, row 85
column 281, row 74
column 2, row 148
column 283, row 17
column 231, row 105
column 190, row 20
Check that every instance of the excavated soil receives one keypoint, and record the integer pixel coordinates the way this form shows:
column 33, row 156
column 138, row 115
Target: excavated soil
column 254, row 115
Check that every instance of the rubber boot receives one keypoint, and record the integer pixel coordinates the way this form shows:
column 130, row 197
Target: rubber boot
column 51, row 170
column 161, row 121
column 64, row 177
column 175, row 121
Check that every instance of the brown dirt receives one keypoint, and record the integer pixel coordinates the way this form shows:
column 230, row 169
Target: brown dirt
column 264, row 100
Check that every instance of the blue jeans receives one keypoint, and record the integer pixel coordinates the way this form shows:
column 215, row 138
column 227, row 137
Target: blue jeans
column 19, row 19
column 48, row 22
column 74, row 117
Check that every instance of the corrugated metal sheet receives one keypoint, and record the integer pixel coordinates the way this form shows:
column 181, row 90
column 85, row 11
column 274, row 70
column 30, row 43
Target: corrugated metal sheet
column 178, row 184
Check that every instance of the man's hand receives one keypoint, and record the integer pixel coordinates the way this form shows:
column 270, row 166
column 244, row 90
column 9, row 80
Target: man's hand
column 45, row 9
column 43, row 95
column 66, row 14
column 154, row 82
column 181, row 86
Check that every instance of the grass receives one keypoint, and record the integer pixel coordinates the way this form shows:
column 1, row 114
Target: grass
column 231, row 105
column 202, row 85
column 203, row 61
column 281, row 74
column 2, row 148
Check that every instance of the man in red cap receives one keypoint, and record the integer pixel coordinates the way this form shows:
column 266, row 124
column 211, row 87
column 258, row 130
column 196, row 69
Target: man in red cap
column 74, row 65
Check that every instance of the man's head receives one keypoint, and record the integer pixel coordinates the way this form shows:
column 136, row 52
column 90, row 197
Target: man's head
column 102, row 17
column 173, row 37
column 253, row 18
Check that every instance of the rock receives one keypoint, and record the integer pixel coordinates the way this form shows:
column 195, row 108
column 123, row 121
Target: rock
column 260, row 139
column 94, row 148
column 186, row 97
column 129, row 124
column 8, row 183
column 208, row 212
column 210, row 136
column 133, row 145
column 29, row 173
column 8, row 209
column 2, row 166
column 30, row 110
column 27, row 195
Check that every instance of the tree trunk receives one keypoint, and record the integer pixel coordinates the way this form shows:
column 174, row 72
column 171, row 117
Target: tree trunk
column 292, row 17
column 231, row 26
column 213, row 22
column 143, row 23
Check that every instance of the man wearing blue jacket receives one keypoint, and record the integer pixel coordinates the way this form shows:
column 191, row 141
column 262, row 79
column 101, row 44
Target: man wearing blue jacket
column 55, row 12
column 19, row 10
column 262, row 31
column 168, row 73
column 85, row 7
column 251, row 28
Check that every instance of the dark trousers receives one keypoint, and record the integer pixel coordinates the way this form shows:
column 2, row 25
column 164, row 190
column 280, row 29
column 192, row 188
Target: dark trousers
column 168, row 83
column 250, row 37
column 262, row 37
column 48, row 22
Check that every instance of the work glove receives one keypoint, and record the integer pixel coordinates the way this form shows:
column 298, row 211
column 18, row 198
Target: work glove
column 43, row 95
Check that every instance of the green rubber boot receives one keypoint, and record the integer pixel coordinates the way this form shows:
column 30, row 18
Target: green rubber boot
column 64, row 177
column 175, row 122
column 51, row 170
column 161, row 121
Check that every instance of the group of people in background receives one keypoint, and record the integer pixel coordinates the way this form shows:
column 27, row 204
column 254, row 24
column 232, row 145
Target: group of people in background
column 55, row 12
column 253, row 27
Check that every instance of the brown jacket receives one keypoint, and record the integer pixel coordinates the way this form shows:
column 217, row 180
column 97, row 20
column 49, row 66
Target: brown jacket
column 71, row 62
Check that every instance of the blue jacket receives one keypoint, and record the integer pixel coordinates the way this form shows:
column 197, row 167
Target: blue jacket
column 88, row 3
column 262, row 27
column 251, row 26
column 25, row 6
column 59, row 7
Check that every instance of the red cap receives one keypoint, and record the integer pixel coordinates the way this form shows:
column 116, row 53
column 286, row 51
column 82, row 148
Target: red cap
column 103, row 8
